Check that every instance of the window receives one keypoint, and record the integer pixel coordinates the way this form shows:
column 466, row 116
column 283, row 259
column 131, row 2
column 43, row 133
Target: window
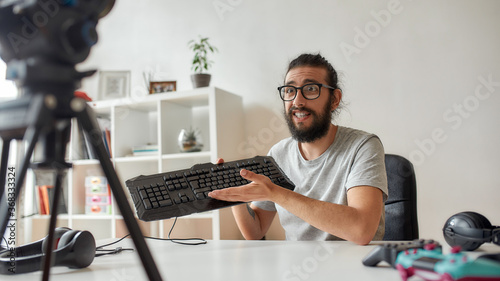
column 8, row 89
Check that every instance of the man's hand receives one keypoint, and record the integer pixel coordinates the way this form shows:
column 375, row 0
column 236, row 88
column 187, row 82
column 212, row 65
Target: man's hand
column 260, row 189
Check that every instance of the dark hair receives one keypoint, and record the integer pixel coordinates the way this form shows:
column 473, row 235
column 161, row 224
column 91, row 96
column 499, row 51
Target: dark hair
column 316, row 60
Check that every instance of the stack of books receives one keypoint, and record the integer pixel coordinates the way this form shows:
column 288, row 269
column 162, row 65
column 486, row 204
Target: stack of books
column 148, row 149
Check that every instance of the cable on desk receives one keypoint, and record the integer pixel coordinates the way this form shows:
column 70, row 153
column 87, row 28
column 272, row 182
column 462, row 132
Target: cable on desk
column 182, row 241
column 178, row 240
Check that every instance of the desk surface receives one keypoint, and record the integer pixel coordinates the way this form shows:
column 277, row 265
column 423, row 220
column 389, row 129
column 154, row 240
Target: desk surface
column 235, row 260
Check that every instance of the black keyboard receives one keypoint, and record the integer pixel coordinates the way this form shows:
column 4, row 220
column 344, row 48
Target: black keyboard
column 183, row 192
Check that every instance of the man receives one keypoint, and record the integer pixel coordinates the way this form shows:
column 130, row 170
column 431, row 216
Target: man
column 339, row 172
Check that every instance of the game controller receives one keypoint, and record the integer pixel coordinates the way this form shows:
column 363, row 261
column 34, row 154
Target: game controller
column 388, row 252
column 429, row 263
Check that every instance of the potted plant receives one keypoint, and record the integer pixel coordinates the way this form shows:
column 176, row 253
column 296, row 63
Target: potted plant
column 201, row 48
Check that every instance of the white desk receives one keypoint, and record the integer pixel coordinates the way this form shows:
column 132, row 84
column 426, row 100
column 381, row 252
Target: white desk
column 235, row 260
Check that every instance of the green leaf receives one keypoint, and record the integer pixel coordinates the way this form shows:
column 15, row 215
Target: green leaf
column 201, row 49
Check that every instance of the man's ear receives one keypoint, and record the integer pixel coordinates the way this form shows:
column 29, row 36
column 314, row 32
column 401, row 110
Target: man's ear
column 337, row 96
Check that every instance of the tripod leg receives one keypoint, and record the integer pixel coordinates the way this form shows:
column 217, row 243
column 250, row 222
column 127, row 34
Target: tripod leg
column 3, row 165
column 90, row 126
column 52, row 225
column 30, row 137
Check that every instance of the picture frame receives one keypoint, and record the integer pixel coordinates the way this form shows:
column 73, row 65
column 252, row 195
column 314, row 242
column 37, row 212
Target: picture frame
column 114, row 84
column 162, row 86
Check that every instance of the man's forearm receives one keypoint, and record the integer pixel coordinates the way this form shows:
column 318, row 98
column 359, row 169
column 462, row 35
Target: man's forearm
column 357, row 223
column 248, row 221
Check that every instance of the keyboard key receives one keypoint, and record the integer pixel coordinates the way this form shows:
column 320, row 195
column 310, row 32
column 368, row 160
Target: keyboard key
column 147, row 204
column 164, row 203
column 194, row 184
column 143, row 194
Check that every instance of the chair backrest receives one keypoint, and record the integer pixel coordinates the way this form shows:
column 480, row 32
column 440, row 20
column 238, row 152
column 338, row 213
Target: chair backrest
column 401, row 206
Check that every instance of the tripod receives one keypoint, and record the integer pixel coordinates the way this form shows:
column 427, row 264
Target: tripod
column 48, row 120
column 41, row 42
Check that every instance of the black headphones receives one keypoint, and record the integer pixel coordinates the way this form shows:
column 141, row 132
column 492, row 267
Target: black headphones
column 74, row 249
column 470, row 230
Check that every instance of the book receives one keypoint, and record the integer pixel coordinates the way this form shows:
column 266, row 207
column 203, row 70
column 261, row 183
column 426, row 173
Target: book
column 89, row 151
column 105, row 126
column 148, row 149
column 41, row 203
column 46, row 195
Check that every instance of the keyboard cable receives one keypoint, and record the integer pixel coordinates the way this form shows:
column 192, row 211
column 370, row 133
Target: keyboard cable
column 181, row 241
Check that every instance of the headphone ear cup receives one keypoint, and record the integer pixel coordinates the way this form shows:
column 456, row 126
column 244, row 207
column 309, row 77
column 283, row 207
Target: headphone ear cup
column 482, row 221
column 66, row 238
column 76, row 249
column 58, row 233
column 464, row 220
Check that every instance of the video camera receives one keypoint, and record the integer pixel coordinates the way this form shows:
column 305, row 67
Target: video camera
column 42, row 40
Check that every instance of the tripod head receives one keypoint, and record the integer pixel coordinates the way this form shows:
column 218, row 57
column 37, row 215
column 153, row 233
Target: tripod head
column 42, row 41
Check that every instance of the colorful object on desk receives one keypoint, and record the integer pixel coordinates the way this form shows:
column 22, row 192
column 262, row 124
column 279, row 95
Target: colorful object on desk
column 430, row 264
column 98, row 196
column 388, row 252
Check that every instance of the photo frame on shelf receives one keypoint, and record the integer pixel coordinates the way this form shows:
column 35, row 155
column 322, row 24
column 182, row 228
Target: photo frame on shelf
column 162, row 86
column 114, row 84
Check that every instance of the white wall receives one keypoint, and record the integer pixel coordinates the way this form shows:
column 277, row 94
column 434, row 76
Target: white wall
column 413, row 72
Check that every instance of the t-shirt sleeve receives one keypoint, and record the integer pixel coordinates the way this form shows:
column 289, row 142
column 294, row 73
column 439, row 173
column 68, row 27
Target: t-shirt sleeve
column 368, row 167
column 265, row 205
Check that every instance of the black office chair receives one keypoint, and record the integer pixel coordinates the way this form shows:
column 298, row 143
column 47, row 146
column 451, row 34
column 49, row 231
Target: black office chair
column 401, row 205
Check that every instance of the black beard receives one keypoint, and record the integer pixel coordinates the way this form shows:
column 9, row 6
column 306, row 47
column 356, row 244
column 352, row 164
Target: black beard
column 318, row 129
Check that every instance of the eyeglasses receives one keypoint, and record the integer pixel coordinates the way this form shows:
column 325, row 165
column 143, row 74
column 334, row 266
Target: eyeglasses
column 309, row 91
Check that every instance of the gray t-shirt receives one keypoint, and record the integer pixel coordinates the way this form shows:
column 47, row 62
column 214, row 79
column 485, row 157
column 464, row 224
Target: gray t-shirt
column 354, row 158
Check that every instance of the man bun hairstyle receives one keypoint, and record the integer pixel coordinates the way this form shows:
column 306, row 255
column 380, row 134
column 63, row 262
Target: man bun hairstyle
column 316, row 60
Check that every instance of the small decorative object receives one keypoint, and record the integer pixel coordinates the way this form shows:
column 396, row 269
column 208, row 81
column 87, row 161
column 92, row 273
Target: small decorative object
column 200, row 62
column 114, row 84
column 98, row 196
column 190, row 140
column 162, row 86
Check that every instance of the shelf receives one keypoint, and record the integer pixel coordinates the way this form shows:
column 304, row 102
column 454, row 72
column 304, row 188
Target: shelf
column 153, row 119
column 136, row 158
column 186, row 155
column 60, row 216
column 91, row 217
column 206, row 215
column 83, row 162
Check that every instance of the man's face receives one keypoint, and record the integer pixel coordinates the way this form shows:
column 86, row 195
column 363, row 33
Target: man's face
column 308, row 120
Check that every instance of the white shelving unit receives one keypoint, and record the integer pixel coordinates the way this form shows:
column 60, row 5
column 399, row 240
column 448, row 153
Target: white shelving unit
column 154, row 119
